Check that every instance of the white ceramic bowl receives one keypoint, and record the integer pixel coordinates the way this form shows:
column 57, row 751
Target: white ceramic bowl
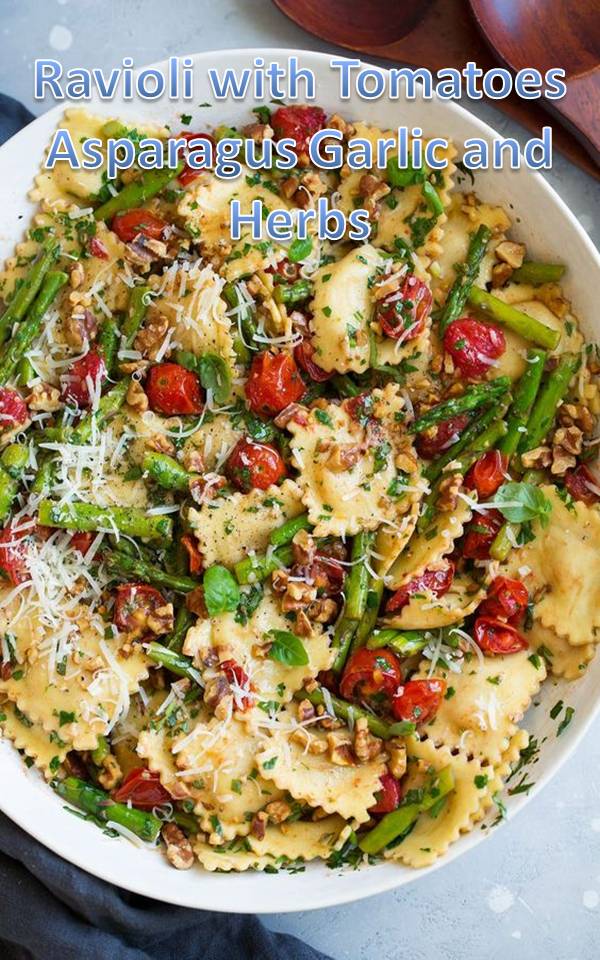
column 551, row 233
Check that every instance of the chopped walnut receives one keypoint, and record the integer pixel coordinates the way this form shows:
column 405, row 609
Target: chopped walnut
column 406, row 461
column 387, row 286
column 302, row 625
column 297, row 596
column 44, row 396
column 259, row 825
column 79, row 327
column 206, row 487
column 366, row 746
column 313, row 183
column 306, row 711
column 397, row 757
column 151, row 337
column 293, row 411
column 136, row 398
column 511, row 253
column 161, row 620
column 344, row 456
column 538, row 458
column 569, row 438
column 258, row 132
column 340, row 751
column 289, row 187
column 76, row 274
column 193, row 460
column 336, row 122
column 111, row 772
column 216, row 690
column 179, row 849
column 372, row 187
column 448, row 492
column 278, row 811
column 160, row 444
column 578, row 415
column 323, row 610
column 501, row 273
column 304, row 547
column 194, row 601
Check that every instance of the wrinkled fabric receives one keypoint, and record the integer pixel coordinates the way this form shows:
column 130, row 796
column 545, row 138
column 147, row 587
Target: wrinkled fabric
column 51, row 910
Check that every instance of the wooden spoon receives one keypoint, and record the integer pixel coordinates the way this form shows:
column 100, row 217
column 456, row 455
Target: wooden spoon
column 552, row 33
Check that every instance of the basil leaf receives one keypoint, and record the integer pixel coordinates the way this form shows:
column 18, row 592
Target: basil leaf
column 404, row 176
column 521, row 503
column 215, row 375
column 221, row 590
column 287, row 648
column 299, row 250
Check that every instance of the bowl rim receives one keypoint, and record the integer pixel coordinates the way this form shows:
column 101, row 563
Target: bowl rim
column 350, row 888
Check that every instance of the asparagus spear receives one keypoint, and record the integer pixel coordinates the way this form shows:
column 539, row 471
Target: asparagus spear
column 138, row 191
column 538, row 273
column 24, row 296
column 357, row 585
column 345, row 710
column 108, row 343
column 172, row 660
column 525, row 395
column 142, row 570
column 138, row 305
column 432, row 198
column 167, row 472
column 13, row 461
column 293, row 292
column 100, row 753
column 183, row 621
column 475, row 429
column 254, row 569
column 529, row 328
column 30, row 327
column 474, row 397
column 402, row 642
column 100, row 805
column 87, row 516
column 109, row 404
column 288, row 530
column 368, row 621
column 550, row 395
column 466, row 276
column 395, row 824
column 345, row 386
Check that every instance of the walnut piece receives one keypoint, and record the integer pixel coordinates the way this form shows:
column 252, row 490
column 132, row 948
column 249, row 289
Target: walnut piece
column 111, row 773
column 306, row 711
column 578, row 415
column 44, row 396
column 501, row 273
column 448, row 492
column 344, row 456
column 538, row 458
column 340, row 751
column 151, row 337
column 179, row 849
column 366, row 746
column 278, row 811
column 259, row 825
column 397, row 761
column 511, row 253
column 161, row 620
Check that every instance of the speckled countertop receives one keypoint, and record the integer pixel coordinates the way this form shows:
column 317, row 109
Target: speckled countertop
column 533, row 889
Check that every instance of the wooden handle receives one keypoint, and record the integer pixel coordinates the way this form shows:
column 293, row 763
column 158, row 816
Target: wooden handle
column 578, row 110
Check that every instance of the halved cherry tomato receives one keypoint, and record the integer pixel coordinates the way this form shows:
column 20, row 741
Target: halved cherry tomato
column 237, row 675
column 172, row 390
column 254, row 466
column 298, row 123
column 388, row 797
column 360, row 408
column 582, row 485
column 82, row 541
column 97, row 249
column 373, row 675
column 195, row 558
column 286, row 269
column 189, row 173
column 402, row 314
column 13, row 409
column 418, row 700
column 496, row 637
column 273, row 383
column 487, row 474
column 303, row 355
column 436, row 582
column 480, row 535
column 129, row 224
column 13, row 551
column 431, row 445
column 474, row 346
column 80, row 382
column 143, row 788
column 134, row 603
column 506, row 600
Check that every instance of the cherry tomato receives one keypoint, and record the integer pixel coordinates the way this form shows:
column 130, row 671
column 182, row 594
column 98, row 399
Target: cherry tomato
column 487, row 474
column 254, row 466
column 402, row 314
column 360, row 408
column 388, row 797
column 430, row 446
column 13, row 409
column 97, row 249
column 474, row 346
column 298, row 123
column 134, row 603
column 480, row 535
column 437, row 582
column 273, row 383
column 143, row 788
column 507, row 600
column 195, row 558
column 189, row 173
column 371, row 674
column 129, row 224
column 495, row 637
column 174, row 390
column 82, row 541
column 13, row 551
column 286, row 269
column 582, row 485
column 418, row 700
column 303, row 355
column 327, row 575
column 80, row 382
column 238, row 677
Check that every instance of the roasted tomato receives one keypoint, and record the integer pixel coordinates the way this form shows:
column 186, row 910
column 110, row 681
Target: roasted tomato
column 195, row 558
column 172, row 390
column 13, row 409
column 303, row 355
column 582, row 485
column 82, row 541
column 134, row 604
column 507, row 600
column 80, row 384
column 143, row 788
column 129, row 224
column 496, row 637
column 97, row 249
column 418, row 700
column 480, row 535
column 14, row 541
column 273, row 383
column 254, row 466
column 360, row 408
column 372, row 675
column 487, row 474
column 327, row 575
column 240, row 682
column 402, row 314
column 286, row 269
column 297, row 123
column 474, row 346
column 431, row 444
column 189, row 173
column 388, row 797
column 436, row 582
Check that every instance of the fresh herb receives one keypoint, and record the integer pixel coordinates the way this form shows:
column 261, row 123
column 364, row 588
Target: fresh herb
column 215, row 375
column 221, row 590
column 249, row 601
column 481, row 780
column 556, row 709
column 323, row 417
column 522, row 503
column 269, row 764
column 299, row 249
column 263, row 114
column 287, row 648
column 564, row 723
